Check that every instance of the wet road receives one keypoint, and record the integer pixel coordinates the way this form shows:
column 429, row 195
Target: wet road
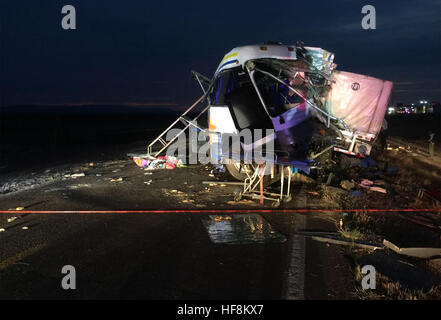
column 156, row 255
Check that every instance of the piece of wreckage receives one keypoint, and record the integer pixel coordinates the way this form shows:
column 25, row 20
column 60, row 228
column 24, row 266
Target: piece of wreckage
column 295, row 91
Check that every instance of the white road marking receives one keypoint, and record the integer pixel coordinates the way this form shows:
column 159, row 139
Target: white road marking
column 296, row 271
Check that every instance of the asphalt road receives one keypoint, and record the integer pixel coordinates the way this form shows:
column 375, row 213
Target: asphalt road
column 158, row 255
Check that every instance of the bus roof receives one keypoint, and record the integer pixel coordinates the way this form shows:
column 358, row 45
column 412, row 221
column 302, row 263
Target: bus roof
column 240, row 55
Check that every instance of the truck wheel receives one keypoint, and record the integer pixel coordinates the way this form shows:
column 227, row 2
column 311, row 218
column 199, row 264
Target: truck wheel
column 239, row 171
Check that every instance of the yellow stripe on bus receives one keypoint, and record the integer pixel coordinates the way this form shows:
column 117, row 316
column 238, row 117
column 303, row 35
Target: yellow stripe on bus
column 229, row 56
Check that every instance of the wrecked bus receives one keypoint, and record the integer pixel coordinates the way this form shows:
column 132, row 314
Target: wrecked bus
column 296, row 91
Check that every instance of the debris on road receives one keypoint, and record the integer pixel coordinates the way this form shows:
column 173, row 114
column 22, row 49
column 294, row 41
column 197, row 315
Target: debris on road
column 244, row 202
column 347, row 185
column 81, row 185
column 220, row 218
column 74, row 175
column 147, row 162
column 222, row 183
column 370, row 185
column 378, row 189
column 116, row 180
column 366, row 183
column 423, row 253
column 141, row 160
column 342, row 241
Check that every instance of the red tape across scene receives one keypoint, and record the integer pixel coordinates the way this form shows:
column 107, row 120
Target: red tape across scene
column 218, row 211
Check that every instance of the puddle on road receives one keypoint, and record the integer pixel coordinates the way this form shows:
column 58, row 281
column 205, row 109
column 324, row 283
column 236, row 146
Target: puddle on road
column 241, row 229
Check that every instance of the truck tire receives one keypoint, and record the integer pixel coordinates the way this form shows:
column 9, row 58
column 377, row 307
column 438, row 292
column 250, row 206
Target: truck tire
column 237, row 171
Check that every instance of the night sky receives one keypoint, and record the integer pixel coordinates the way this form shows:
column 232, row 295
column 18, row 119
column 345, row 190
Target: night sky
column 141, row 52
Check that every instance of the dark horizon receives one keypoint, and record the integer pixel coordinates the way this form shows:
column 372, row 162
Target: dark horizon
column 142, row 53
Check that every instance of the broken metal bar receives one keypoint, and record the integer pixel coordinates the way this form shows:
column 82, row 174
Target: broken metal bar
column 301, row 96
column 201, row 80
column 296, row 92
column 253, row 81
column 288, row 188
column 321, row 152
column 175, row 137
column 149, row 147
